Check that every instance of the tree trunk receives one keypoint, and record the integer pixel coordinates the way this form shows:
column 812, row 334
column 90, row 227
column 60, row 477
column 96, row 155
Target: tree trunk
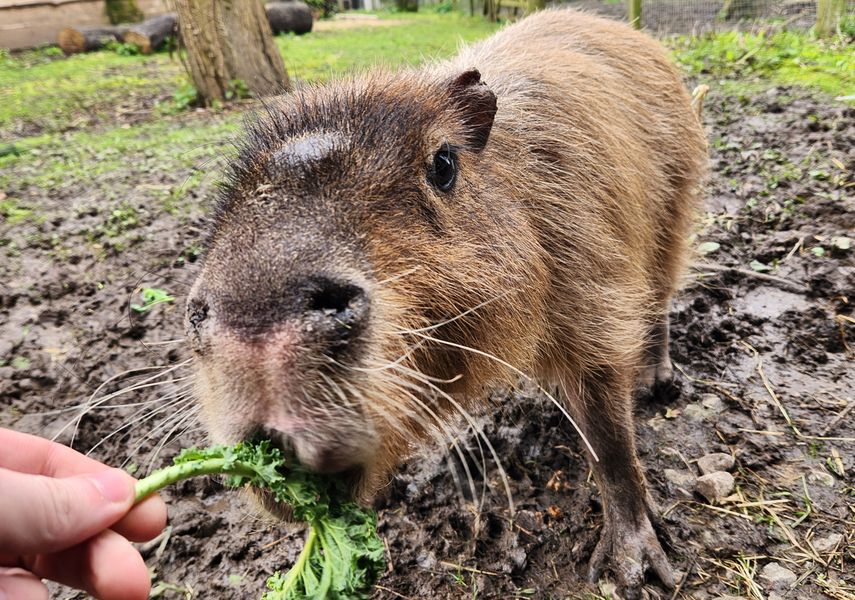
column 151, row 33
column 85, row 39
column 228, row 41
column 287, row 17
column 828, row 13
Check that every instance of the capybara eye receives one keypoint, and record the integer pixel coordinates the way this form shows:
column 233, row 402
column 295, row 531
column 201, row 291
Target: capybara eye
column 444, row 171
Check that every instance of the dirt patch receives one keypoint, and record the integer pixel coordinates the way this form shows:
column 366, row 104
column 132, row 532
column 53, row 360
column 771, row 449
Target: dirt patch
column 763, row 339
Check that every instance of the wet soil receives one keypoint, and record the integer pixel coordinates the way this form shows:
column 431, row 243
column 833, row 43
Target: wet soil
column 763, row 341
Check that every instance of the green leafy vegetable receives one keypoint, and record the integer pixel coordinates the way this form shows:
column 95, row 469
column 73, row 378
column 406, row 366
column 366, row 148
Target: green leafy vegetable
column 152, row 297
column 342, row 557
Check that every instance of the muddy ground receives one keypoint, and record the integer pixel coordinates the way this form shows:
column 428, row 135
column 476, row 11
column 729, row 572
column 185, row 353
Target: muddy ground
column 753, row 348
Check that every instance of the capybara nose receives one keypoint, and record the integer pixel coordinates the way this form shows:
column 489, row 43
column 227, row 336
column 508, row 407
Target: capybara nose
column 329, row 313
column 338, row 308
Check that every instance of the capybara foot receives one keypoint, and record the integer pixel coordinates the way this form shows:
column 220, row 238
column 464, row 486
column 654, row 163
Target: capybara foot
column 629, row 550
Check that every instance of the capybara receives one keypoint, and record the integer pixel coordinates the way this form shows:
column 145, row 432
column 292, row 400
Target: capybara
column 390, row 247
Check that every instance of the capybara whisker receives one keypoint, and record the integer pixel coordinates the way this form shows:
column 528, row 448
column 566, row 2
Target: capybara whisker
column 178, row 397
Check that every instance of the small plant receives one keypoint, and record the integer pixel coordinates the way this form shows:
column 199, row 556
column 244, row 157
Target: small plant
column 444, row 7
column 185, row 97
column 12, row 212
column 151, row 297
column 327, row 8
column 237, row 90
column 122, row 49
column 343, row 555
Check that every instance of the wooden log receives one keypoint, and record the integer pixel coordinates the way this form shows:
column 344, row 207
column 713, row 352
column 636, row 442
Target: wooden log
column 150, row 35
column 86, row 39
column 287, row 17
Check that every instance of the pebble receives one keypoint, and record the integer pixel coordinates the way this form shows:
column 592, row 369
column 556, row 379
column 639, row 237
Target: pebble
column 695, row 412
column 828, row 543
column 709, row 406
column 712, row 403
column 715, row 486
column 680, row 478
column 777, row 576
column 717, row 461
column 821, row 477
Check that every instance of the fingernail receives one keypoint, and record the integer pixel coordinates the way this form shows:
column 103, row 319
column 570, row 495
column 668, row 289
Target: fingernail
column 113, row 485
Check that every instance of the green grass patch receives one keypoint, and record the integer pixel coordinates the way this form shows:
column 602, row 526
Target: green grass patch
column 44, row 92
column 54, row 94
column 13, row 212
column 783, row 58
column 320, row 55
column 168, row 146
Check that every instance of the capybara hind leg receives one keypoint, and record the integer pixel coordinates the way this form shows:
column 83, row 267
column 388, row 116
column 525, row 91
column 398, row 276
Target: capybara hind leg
column 656, row 377
column 628, row 543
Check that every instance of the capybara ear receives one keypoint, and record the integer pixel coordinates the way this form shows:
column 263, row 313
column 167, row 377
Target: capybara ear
column 476, row 105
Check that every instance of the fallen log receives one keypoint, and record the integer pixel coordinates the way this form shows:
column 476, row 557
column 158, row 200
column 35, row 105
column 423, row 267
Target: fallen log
column 287, row 17
column 150, row 35
column 73, row 40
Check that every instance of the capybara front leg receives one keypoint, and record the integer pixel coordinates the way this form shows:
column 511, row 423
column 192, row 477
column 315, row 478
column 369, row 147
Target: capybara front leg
column 628, row 544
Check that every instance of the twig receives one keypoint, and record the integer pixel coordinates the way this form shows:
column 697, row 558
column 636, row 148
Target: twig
column 685, row 577
column 840, row 416
column 393, row 592
column 780, row 406
column 719, row 387
column 451, row 565
column 787, row 284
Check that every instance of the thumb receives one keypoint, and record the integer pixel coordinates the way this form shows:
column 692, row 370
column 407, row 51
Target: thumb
column 45, row 514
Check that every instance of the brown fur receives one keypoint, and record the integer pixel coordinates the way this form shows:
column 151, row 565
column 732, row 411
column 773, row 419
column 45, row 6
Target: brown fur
column 566, row 231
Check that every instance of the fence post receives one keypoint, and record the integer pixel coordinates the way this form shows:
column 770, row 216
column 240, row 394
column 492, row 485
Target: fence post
column 635, row 13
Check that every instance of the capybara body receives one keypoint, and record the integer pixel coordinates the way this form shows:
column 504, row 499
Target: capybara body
column 390, row 247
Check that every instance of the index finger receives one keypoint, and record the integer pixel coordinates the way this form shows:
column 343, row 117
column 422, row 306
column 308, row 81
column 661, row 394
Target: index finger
column 37, row 456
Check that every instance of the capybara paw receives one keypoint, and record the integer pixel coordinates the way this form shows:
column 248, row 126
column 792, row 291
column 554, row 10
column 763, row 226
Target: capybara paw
column 629, row 551
column 657, row 384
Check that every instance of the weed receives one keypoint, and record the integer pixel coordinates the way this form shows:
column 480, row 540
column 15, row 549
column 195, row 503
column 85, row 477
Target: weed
column 237, row 90
column 22, row 363
column 120, row 220
column 184, row 97
column 13, row 212
column 123, row 49
column 151, row 297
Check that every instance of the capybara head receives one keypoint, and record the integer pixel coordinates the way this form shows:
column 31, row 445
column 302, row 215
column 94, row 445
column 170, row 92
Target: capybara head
column 363, row 273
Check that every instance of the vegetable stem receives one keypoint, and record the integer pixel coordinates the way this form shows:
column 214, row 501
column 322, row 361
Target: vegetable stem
column 298, row 569
column 164, row 477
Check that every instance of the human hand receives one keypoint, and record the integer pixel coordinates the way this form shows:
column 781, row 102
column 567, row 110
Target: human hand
column 69, row 518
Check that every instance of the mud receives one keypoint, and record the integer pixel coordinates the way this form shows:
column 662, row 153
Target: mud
column 764, row 358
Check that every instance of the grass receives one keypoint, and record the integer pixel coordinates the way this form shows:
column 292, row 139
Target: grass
column 53, row 161
column 76, row 120
column 781, row 57
column 419, row 37
column 41, row 91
